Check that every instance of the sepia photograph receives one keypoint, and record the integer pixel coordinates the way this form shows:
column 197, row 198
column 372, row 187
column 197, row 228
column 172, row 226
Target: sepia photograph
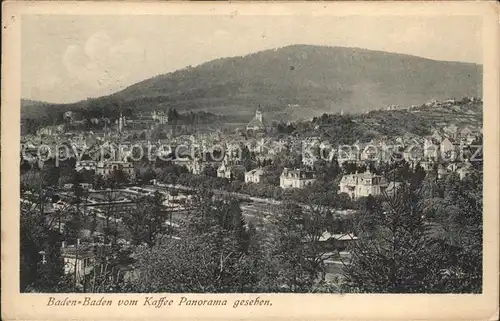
column 248, row 153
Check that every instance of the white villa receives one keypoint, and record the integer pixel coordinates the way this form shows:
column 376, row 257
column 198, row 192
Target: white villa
column 254, row 176
column 297, row 178
column 88, row 165
column 362, row 185
column 107, row 168
column 160, row 117
column 229, row 171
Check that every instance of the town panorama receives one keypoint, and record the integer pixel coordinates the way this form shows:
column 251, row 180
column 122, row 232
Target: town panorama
column 132, row 193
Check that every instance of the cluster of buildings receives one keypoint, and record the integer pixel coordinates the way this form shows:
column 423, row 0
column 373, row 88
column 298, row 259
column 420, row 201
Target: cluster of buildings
column 115, row 162
column 447, row 145
column 449, row 103
column 439, row 151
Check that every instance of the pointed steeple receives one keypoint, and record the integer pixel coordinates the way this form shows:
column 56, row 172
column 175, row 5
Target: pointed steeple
column 258, row 115
column 120, row 122
column 257, row 123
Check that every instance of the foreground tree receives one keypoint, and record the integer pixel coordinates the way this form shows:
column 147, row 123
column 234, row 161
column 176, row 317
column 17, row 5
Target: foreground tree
column 459, row 216
column 41, row 266
column 393, row 255
column 211, row 254
column 146, row 221
column 294, row 247
column 110, row 228
column 401, row 251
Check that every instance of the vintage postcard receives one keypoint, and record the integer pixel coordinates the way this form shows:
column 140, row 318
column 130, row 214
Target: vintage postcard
column 208, row 160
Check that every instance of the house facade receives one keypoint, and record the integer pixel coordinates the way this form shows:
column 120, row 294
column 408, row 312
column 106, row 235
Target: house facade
column 88, row 165
column 297, row 178
column 362, row 185
column 230, row 171
column 82, row 259
column 254, row 176
column 79, row 260
column 107, row 168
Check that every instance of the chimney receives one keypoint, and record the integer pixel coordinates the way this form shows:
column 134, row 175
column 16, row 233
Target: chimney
column 63, row 244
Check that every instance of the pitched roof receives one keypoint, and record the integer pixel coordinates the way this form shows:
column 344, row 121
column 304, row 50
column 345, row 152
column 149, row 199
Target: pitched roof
column 339, row 237
column 257, row 171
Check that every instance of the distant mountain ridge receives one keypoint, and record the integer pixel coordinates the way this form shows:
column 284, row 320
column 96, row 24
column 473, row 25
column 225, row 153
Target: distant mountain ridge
column 298, row 81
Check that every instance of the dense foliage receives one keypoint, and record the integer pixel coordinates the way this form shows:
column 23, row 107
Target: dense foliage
column 412, row 244
column 425, row 237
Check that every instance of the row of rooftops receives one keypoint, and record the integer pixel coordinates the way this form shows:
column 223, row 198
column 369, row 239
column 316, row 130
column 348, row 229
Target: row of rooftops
column 298, row 173
column 439, row 137
column 256, row 171
column 441, row 133
column 367, row 178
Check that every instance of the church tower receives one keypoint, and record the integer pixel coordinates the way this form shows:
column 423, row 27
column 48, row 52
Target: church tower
column 120, row 123
column 258, row 115
column 257, row 123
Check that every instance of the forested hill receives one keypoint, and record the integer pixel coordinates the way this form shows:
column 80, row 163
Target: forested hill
column 294, row 82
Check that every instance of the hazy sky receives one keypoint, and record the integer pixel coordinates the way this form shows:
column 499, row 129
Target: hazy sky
column 69, row 58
